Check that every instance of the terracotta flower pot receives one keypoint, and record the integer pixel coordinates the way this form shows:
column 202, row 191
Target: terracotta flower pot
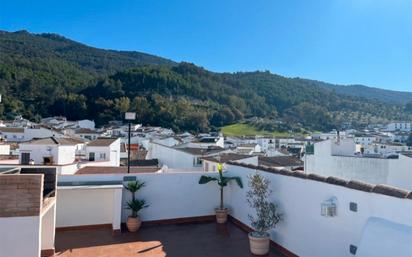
column 133, row 224
column 259, row 244
column 221, row 215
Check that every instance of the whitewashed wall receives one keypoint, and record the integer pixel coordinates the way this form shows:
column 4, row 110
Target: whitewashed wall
column 112, row 153
column 395, row 172
column 170, row 195
column 62, row 154
column 4, row 149
column 88, row 206
column 171, row 157
column 303, row 230
column 27, row 230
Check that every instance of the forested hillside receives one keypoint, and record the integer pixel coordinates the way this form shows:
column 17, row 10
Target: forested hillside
column 46, row 74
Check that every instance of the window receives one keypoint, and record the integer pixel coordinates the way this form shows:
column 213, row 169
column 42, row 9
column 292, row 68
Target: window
column 25, row 158
column 47, row 160
column 103, row 156
column 197, row 161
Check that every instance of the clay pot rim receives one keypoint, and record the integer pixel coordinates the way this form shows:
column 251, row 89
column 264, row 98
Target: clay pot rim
column 225, row 209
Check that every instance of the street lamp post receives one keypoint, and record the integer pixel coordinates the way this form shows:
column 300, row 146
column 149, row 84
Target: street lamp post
column 129, row 116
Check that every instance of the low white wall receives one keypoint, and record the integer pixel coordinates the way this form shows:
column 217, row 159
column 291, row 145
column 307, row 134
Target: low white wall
column 79, row 206
column 174, row 195
column 48, row 227
column 20, row 236
column 170, row 195
column 303, row 230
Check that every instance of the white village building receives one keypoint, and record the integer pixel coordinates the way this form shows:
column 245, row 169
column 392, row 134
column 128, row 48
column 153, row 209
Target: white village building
column 342, row 158
column 105, row 151
column 48, row 151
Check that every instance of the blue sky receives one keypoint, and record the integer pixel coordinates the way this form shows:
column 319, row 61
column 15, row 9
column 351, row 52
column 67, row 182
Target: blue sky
column 340, row 41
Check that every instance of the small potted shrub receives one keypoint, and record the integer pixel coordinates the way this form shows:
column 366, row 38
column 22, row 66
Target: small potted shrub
column 133, row 221
column 266, row 215
column 222, row 181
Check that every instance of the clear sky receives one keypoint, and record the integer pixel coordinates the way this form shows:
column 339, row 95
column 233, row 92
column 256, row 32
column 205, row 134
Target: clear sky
column 340, row 41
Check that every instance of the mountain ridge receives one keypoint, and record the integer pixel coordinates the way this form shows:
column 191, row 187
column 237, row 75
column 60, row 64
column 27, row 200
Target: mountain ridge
column 48, row 74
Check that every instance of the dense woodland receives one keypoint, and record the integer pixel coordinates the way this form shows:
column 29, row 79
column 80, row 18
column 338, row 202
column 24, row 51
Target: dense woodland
column 46, row 74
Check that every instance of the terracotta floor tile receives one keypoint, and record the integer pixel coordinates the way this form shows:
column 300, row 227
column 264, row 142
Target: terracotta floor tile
column 188, row 240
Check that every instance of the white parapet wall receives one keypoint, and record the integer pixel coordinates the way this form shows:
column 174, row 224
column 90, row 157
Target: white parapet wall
column 169, row 196
column 303, row 230
column 20, row 236
column 89, row 205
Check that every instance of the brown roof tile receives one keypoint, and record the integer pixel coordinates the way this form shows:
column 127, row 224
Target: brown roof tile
column 280, row 161
column 52, row 141
column 102, row 142
column 12, row 130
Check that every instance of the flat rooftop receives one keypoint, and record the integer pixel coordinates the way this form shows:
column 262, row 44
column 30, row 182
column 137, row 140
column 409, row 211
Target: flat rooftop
column 181, row 240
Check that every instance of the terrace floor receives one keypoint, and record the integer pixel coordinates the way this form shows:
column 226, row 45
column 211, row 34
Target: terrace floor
column 182, row 240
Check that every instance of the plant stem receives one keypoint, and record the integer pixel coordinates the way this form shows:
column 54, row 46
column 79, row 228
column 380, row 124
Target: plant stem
column 221, row 198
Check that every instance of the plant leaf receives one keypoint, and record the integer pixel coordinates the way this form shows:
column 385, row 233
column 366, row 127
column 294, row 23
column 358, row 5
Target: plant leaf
column 206, row 179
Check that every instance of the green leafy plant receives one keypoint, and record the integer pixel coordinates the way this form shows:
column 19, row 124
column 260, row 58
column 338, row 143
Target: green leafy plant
column 266, row 213
column 134, row 204
column 221, row 180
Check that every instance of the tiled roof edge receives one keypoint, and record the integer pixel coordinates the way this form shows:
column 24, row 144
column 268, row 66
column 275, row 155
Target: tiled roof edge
column 352, row 184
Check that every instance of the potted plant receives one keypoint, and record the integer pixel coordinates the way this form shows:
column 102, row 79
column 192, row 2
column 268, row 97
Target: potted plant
column 133, row 221
column 266, row 214
column 222, row 181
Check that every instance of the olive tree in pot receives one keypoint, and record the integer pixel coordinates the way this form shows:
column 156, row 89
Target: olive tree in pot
column 222, row 181
column 133, row 221
column 266, row 214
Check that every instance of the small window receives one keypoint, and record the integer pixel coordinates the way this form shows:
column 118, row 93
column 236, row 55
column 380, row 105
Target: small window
column 25, row 158
column 197, row 161
column 103, row 156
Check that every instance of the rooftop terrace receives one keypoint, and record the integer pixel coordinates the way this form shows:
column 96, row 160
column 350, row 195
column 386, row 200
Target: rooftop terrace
column 195, row 239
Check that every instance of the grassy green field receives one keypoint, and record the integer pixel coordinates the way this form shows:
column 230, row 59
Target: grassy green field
column 242, row 129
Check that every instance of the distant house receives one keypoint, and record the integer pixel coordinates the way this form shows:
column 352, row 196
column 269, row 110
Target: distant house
column 104, row 150
column 86, row 124
column 87, row 134
column 248, row 149
column 185, row 157
column 12, row 134
column 398, row 126
column 365, row 140
column 210, row 162
column 48, row 151
column 342, row 159
column 20, row 134
column 205, row 142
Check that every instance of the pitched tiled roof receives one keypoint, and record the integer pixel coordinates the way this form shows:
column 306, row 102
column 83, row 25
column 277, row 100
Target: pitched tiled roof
column 102, row 142
column 201, row 151
column 223, row 158
column 52, row 141
column 280, row 161
column 86, row 131
column 12, row 130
